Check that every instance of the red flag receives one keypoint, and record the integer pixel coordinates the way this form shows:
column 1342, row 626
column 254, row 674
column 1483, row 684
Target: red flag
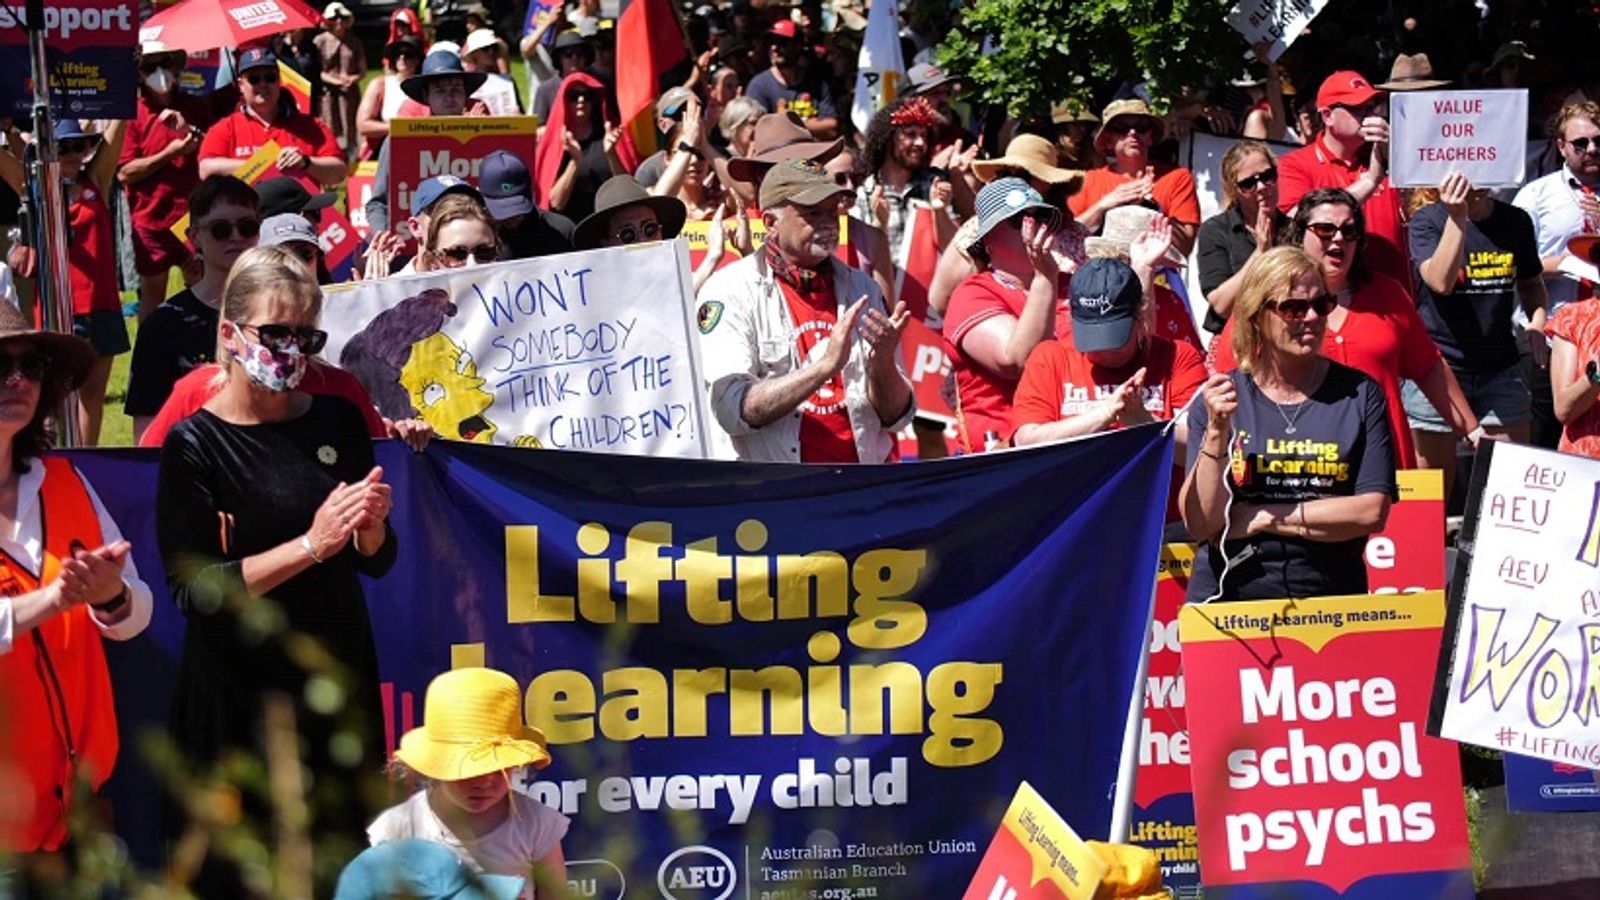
column 649, row 39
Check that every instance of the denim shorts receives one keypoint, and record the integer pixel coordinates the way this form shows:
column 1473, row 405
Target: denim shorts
column 1498, row 399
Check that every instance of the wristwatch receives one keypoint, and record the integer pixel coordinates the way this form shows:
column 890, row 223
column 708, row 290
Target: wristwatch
column 1593, row 371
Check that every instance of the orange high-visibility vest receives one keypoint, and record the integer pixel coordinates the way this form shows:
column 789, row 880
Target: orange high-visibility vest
column 56, row 711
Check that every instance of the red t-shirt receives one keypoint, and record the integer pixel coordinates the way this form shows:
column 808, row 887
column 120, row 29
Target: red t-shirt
column 1579, row 325
column 825, row 432
column 1315, row 166
column 1382, row 336
column 194, row 389
column 1059, row 382
column 160, row 199
column 91, row 254
column 984, row 396
column 241, row 134
column 1173, row 191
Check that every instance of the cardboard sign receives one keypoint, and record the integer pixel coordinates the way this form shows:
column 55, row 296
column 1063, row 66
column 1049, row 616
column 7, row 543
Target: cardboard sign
column 339, row 242
column 1480, row 134
column 89, row 47
column 357, row 191
column 588, row 351
column 1275, row 22
column 420, row 148
column 1524, row 638
column 264, row 164
column 1035, row 855
column 1309, row 757
column 922, row 353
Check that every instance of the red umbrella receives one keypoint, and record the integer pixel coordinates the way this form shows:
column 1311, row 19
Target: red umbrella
column 199, row 25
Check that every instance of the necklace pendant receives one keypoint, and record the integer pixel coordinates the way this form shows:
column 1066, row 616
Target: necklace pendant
column 1289, row 429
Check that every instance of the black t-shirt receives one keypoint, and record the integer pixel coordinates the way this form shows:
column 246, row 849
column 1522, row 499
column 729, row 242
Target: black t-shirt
column 1224, row 246
column 810, row 97
column 178, row 336
column 1339, row 446
column 1472, row 324
column 540, row 233
column 593, row 169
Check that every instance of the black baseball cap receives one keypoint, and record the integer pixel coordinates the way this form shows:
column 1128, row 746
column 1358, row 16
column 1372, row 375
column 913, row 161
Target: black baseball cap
column 1105, row 297
column 286, row 195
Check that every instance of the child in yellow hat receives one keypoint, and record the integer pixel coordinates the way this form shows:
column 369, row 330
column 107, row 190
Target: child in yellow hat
column 472, row 738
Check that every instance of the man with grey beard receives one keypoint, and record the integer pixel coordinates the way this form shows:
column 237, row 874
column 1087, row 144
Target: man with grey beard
column 801, row 356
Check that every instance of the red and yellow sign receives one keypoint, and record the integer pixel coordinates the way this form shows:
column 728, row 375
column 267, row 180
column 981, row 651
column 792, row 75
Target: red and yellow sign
column 421, row 148
column 1036, row 856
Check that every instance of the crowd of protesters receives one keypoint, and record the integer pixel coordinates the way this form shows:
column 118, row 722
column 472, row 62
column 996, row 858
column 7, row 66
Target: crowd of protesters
column 1349, row 328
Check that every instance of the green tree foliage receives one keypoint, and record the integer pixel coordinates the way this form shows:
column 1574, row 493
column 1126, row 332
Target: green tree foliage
column 1051, row 50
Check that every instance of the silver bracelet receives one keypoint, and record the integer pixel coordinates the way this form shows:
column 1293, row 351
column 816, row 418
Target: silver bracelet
column 305, row 544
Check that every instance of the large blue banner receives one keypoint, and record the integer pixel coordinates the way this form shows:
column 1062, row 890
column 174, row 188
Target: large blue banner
column 757, row 680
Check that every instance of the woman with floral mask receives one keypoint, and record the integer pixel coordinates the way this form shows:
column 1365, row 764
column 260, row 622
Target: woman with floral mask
column 270, row 509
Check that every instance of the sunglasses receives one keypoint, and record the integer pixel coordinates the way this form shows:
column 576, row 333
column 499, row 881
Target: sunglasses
column 145, row 68
column 1583, row 144
column 1270, row 176
column 257, row 79
column 223, row 229
column 627, row 234
column 482, row 253
column 280, row 338
column 1123, row 126
column 75, row 145
column 1295, row 308
column 31, row 366
column 1372, row 108
column 1326, row 230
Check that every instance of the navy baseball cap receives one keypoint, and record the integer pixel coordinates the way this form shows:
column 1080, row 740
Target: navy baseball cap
column 1105, row 298
column 259, row 58
column 429, row 192
column 506, row 185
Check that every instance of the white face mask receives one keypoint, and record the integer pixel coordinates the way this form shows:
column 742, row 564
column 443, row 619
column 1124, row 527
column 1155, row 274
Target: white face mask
column 160, row 81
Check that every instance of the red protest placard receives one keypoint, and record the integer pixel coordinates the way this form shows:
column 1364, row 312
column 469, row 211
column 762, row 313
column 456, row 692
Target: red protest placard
column 421, row 148
column 922, row 353
column 1309, row 756
column 1035, row 855
column 357, row 191
column 1407, row 556
column 1163, row 819
column 338, row 240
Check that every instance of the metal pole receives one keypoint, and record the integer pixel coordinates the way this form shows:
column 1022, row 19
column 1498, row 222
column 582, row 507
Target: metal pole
column 50, row 214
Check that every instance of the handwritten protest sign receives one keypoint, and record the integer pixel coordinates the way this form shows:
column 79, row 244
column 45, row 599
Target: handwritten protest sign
column 262, row 164
column 1036, row 855
column 1309, row 759
column 1524, row 638
column 89, row 48
column 588, row 351
column 1276, row 23
column 1477, row 133
column 420, row 148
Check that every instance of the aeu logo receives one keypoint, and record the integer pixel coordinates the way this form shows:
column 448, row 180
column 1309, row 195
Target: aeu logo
column 697, row 872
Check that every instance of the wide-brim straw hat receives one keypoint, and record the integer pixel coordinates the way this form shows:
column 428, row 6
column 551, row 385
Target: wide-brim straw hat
column 70, row 356
column 1121, row 226
column 1132, row 106
column 1411, row 72
column 1033, row 154
column 617, row 192
column 472, row 725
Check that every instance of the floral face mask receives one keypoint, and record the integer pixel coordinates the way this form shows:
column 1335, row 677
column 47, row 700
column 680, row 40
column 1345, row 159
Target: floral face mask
column 275, row 370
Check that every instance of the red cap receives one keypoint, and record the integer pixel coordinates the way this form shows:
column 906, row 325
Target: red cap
column 1345, row 89
column 784, row 28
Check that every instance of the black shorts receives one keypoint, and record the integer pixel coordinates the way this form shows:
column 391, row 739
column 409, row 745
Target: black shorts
column 105, row 330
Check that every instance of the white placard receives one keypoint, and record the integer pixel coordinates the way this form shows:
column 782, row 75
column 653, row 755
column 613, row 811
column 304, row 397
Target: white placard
column 1274, row 22
column 587, row 351
column 1481, row 134
column 1525, row 673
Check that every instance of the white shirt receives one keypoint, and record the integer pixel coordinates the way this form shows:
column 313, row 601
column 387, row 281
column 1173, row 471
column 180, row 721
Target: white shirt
column 1552, row 203
column 25, row 544
column 746, row 335
column 530, row 833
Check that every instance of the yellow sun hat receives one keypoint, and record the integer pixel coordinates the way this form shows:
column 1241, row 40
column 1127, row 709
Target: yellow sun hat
column 472, row 725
